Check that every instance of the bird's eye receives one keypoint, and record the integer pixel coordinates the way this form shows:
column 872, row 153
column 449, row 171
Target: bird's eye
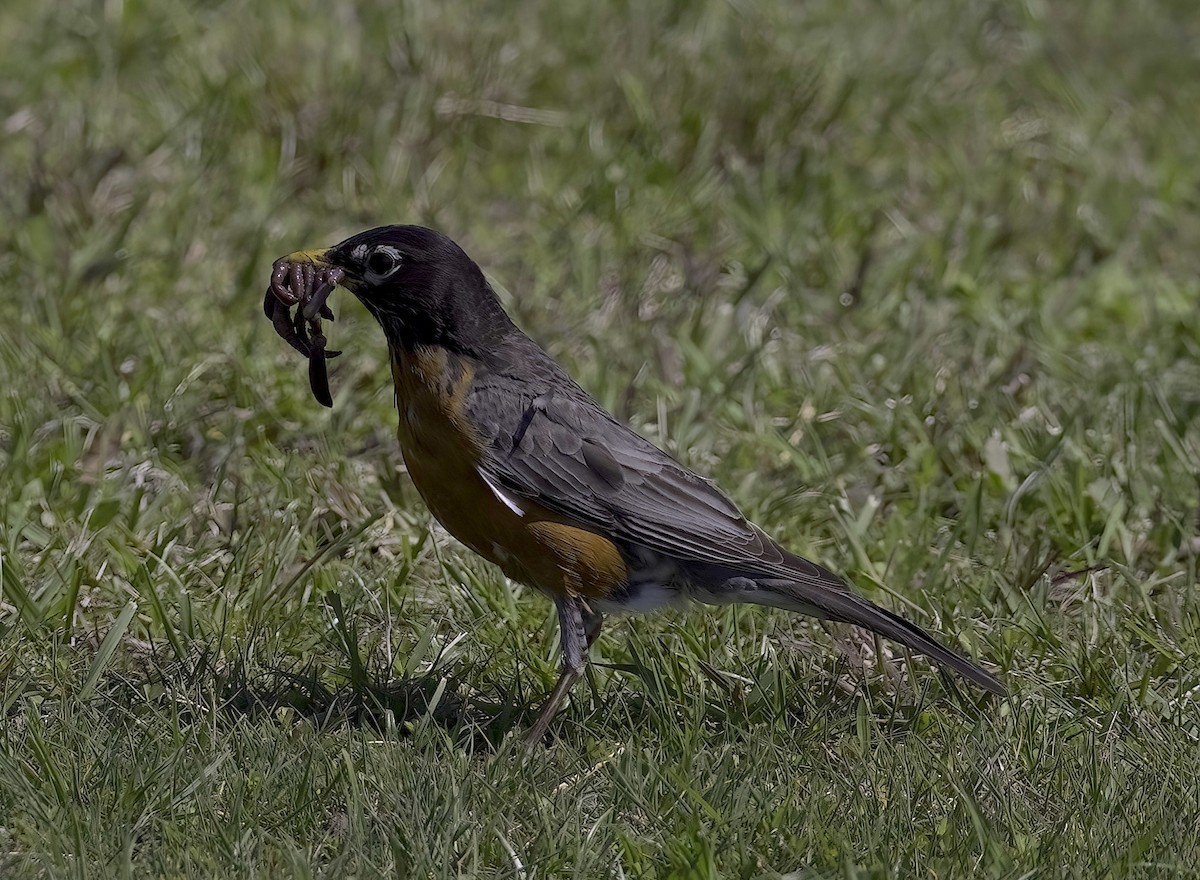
column 383, row 262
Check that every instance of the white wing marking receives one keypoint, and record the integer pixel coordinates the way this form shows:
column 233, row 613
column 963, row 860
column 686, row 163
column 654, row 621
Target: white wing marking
column 500, row 494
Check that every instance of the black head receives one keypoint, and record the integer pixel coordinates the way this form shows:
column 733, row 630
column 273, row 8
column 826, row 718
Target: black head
column 421, row 287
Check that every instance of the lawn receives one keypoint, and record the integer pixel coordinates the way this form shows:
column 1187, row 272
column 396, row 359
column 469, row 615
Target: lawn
column 917, row 284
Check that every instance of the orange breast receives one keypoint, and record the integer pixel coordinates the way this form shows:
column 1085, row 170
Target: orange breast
column 441, row 451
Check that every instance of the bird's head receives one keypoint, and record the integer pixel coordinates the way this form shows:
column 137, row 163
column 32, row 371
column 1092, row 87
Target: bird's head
column 421, row 286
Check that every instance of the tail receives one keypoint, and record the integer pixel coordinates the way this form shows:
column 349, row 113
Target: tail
column 826, row 596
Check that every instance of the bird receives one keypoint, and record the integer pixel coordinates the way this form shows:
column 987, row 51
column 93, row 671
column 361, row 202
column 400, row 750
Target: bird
column 520, row 464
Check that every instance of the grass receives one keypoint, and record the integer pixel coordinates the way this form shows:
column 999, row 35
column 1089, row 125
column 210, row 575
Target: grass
column 916, row 283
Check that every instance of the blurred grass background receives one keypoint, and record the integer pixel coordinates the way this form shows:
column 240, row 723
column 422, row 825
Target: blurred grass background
column 917, row 283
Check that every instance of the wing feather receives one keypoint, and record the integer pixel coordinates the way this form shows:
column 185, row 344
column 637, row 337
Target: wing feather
column 579, row 462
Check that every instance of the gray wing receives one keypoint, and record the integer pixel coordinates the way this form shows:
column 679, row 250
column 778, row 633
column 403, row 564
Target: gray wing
column 562, row 450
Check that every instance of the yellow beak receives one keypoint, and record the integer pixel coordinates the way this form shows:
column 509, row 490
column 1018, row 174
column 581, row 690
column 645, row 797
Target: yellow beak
column 328, row 278
column 316, row 257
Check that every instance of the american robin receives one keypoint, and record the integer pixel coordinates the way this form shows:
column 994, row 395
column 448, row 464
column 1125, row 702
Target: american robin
column 524, row 467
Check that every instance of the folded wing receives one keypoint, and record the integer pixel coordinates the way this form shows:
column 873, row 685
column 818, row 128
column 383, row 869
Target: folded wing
column 567, row 454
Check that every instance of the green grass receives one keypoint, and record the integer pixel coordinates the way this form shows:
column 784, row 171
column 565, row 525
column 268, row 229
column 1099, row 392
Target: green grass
column 916, row 283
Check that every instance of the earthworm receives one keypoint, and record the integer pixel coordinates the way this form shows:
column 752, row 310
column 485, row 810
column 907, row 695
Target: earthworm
column 307, row 286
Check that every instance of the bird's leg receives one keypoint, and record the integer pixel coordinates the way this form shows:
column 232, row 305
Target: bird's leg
column 578, row 627
column 593, row 622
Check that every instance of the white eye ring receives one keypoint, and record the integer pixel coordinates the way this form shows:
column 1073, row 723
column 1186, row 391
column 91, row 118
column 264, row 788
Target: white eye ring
column 383, row 261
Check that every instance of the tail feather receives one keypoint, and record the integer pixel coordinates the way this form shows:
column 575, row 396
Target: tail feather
column 825, row 600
